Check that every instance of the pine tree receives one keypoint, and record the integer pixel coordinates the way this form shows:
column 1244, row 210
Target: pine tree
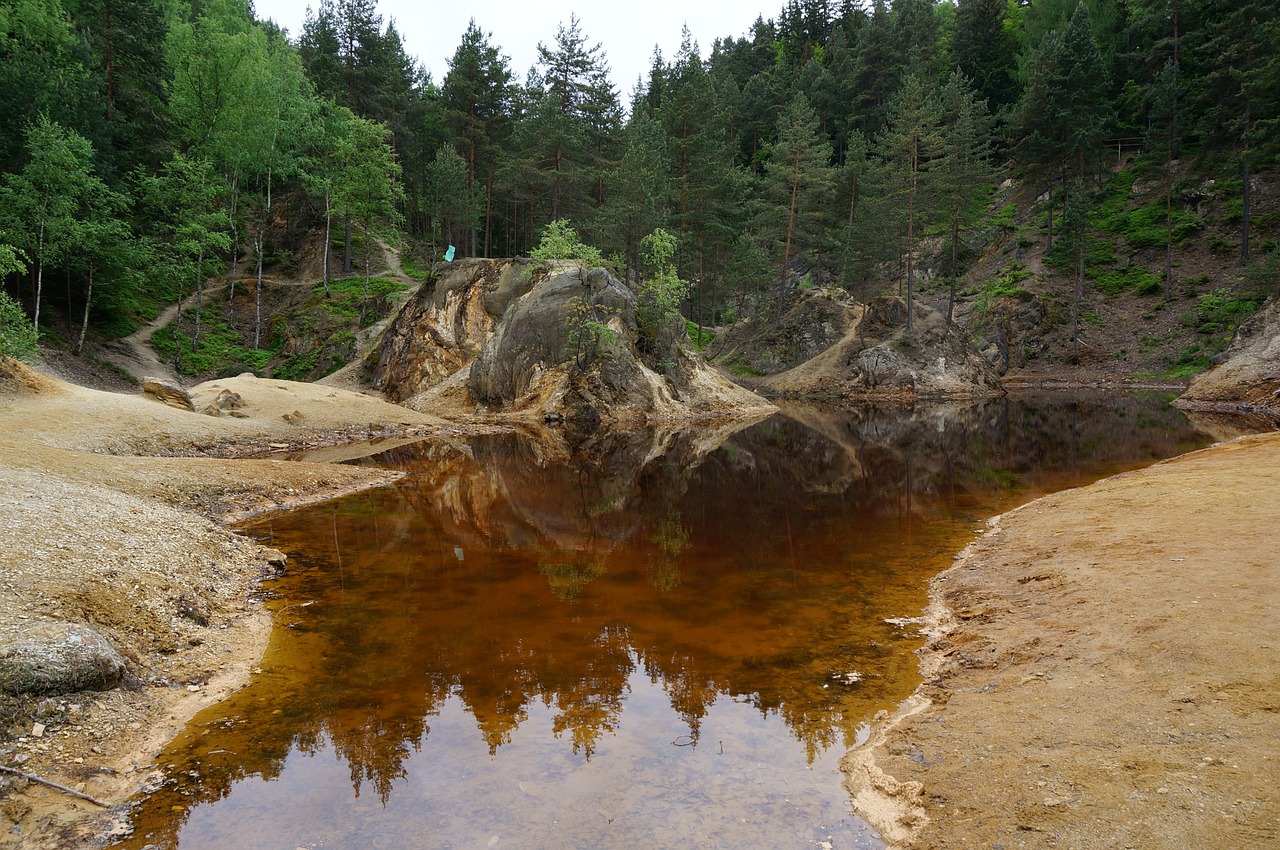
column 907, row 146
column 795, row 189
column 476, row 97
column 1237, row 90
column 639, row 190
column 984, row 51
column 916, row 31
column 876, row 69
column 961, row 171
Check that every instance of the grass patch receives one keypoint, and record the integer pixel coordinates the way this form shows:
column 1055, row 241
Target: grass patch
column 347, row 297
column 222, row 349
column 1125, row 278
column 415, row 269
column 743, row 369
column 699, row 336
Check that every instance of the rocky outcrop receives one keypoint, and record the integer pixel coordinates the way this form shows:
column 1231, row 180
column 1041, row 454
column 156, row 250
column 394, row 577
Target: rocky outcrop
column 57, row 658
column 168, row 393
column 1247, row 378
column 826, row 344
column 444, row 327
column 549, row 341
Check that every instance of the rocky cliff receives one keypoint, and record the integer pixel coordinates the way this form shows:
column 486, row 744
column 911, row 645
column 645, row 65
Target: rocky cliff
column 547, row 340
column 1247, row 375
column 827, row 344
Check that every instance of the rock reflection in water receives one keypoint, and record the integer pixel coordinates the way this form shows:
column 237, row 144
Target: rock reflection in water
column 615, row 639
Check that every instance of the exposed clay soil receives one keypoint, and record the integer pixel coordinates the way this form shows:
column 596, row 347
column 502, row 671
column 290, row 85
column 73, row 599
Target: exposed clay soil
column 1102, row 672
column 111, row 514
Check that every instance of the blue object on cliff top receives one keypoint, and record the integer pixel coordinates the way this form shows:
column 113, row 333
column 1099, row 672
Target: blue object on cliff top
column 448, row 255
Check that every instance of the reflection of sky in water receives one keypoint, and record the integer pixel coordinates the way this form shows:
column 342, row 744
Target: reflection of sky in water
column 507, row 647
column 641, row 788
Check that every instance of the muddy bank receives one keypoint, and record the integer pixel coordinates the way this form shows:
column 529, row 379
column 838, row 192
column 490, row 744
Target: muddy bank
column 1101, row 673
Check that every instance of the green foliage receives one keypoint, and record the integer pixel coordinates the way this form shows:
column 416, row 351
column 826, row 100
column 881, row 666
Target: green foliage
column 1222, row 312
column 658, row 309
column 352, row 297
column 1145, row 226
column 590, row 336
column 1004, row 217
column 18, row 337
column 1129, row 277
column 222, row 349
column 559, row 241
column 698, row 335
column 414, row 269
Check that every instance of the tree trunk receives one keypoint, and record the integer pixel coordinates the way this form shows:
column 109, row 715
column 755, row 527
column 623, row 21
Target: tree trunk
column 328, row 227
column 911, row 229
column 84, row 324
column 488, row 216
column 257, row 296
column 39, row 275
column 1244, row 219
column 346, row 245
column 235, row 242
column 1168, row 230
column 1049, row 247
column 364, row 298
column 195, row 338
column 955, row 237
column 791, row 222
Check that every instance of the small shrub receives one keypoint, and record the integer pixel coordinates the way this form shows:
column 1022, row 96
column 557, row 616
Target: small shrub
column 17, row 334
column 559, row 241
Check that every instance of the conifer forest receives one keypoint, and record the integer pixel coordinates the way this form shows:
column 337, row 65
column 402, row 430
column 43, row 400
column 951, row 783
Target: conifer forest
column 151, row 146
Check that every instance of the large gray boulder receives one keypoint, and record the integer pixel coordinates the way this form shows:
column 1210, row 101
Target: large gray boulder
column 549, row 340
column 52, row 657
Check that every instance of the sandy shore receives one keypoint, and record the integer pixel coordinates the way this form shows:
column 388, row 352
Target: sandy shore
column 1102, row 672
column 112, row 514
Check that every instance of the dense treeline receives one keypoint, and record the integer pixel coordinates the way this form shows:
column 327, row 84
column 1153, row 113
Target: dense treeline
column 147, row 144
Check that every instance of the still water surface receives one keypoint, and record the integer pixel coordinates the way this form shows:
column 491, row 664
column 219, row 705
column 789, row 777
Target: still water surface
column 659, row 639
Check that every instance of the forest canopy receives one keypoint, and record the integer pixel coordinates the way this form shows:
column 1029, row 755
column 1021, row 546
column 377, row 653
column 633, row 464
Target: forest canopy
column 148, row 145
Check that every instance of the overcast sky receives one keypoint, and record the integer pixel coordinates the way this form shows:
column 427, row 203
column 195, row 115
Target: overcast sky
column 628, row 31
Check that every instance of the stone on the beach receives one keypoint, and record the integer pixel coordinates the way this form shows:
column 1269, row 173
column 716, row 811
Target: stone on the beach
column 57, row 658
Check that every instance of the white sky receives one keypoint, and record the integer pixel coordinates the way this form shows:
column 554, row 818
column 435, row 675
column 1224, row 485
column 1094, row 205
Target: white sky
column 628, row 31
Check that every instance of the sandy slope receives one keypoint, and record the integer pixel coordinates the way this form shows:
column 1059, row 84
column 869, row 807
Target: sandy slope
column 1103, row 672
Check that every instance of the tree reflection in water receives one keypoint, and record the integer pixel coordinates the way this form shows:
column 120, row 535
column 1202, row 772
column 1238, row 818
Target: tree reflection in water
column 548, row 575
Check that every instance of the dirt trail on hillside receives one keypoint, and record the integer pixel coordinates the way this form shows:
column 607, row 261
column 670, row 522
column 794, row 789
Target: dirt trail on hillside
column 134, row 353
column 1103, row 672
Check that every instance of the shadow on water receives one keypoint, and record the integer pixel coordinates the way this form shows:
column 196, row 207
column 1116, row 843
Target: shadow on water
column 662, row 638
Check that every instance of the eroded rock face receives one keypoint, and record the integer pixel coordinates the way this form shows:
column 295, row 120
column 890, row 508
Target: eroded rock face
column 827, row 344
column 444, row 327
column 168, row 392
column 1248, row 378
column 53, row 657
column 547, row 341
